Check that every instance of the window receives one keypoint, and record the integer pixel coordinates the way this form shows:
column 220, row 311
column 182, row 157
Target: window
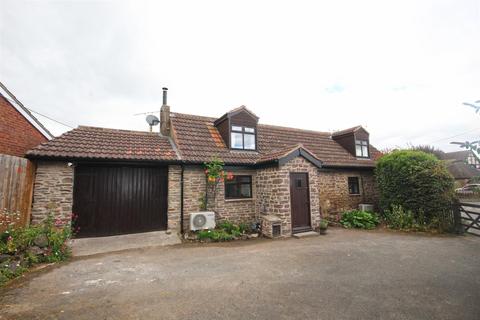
column 239, row 187
column 361, row 148
column 353, row 185
column 243, row 138
column 472, row 160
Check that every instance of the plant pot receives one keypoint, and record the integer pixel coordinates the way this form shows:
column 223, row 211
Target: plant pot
column 323, row 231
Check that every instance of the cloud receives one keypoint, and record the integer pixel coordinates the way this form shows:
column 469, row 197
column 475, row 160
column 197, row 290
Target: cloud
column 402, row 69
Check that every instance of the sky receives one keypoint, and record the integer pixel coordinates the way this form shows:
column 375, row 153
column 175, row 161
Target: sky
column 401, row 69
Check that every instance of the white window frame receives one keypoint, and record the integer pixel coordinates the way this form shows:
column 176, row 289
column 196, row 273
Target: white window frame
column 364, row 148
column 243, row 130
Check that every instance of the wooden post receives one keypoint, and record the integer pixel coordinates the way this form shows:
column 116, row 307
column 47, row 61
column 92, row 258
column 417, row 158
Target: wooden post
column 457, row 218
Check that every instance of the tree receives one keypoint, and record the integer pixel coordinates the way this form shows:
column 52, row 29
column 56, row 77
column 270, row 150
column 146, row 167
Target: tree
column 415, row 180
column 439, row 154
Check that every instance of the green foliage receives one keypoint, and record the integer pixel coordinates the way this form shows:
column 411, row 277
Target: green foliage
column 214, row 171
column 225, row 231
column 359, row 219
column 203, row 203
column 417, row 181
column 398, row 218
column 439, row 154
column 19, row 246
column 323, row 224
column 215, row 235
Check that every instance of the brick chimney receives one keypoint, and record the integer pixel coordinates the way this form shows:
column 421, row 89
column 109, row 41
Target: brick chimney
column 165, row 115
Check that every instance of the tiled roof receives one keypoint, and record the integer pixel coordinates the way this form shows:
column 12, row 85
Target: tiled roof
column 345, row 131
column 101, row 143
column 278, row 154
column 456, row 155
column 196, row 140
column 462, row 170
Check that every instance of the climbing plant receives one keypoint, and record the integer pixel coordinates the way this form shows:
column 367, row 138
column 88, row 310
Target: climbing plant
column 215, row 174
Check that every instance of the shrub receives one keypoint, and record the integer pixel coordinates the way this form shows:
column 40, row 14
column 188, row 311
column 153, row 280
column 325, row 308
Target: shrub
column 359, row 219
column 215, row 235
column 399, row 218
column 416, row 181
column 225, row 231
column 21, row 248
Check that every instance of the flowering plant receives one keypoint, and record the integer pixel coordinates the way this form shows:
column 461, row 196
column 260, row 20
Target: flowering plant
column 215, row 172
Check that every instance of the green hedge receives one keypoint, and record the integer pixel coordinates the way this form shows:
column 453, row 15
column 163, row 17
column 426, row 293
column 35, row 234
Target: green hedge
column 416, row 181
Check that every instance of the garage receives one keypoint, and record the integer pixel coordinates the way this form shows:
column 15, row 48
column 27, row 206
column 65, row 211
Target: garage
column 119, row 199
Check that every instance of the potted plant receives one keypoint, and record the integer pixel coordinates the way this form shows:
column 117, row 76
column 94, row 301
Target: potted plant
column 323, row 227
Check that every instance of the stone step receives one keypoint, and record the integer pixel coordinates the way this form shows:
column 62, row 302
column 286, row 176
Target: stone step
column 305, row 234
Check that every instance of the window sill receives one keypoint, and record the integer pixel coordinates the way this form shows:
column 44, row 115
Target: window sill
column 239, row 199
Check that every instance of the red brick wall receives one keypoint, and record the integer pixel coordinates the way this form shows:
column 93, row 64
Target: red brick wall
column 17, row 135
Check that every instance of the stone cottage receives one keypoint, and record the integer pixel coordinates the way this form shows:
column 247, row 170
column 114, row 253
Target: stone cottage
column 120, row 181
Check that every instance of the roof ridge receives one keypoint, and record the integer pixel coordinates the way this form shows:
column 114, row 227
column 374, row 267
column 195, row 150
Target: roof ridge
column 294, row 129
column 260, row 124
column 116, row 130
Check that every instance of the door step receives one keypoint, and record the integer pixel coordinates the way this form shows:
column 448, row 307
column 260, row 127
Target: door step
column 305, row 234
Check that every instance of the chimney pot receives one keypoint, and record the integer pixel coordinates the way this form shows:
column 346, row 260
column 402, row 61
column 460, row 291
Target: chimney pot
column 165, row 95
column 165, row 115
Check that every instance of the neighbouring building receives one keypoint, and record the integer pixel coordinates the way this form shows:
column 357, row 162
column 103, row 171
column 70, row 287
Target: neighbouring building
column 120, row 181
column 19, row 129
column 462, row 165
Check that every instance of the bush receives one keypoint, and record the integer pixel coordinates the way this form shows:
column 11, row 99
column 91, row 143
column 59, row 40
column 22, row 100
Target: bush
column 21, row 248
column 225, row 231
column 416, row 181
column 215, row 235
column 359, row 219
column 399, row 218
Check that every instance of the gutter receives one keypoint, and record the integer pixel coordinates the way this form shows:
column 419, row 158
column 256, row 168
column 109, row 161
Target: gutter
column 181, row 199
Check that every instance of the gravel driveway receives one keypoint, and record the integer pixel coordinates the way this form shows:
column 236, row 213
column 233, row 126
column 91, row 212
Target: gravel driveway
column 344, row 275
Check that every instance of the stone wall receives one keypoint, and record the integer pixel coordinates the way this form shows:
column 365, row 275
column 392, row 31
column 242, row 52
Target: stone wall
column 53, row 191
column 334, row 196
column 273, row 192
column 237, row 211
column 174, row 205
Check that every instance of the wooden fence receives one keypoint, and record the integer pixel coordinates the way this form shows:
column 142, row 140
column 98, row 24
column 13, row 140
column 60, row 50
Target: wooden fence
column 467, row 216
column 16, row 187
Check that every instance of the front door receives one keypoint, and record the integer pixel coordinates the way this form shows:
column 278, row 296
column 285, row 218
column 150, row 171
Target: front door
column 300, row 202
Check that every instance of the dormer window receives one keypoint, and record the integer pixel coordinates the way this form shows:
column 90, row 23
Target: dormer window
column 361, row 148
column 242, row 138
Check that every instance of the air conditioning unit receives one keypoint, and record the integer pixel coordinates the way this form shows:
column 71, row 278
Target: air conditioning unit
column 365, row 207
column 202, row 220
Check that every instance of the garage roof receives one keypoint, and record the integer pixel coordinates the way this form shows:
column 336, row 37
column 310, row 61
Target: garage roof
column 107, row 144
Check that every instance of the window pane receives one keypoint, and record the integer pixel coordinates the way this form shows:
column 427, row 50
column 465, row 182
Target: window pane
column 364, row 151
column 250, row 130
column 249, row 141
column 231, row 191
column 239, row 187
column 236, row 128
column 237, row 140
column 245, row 191
column 358, row 150
column 246, row 179
column 353, row 185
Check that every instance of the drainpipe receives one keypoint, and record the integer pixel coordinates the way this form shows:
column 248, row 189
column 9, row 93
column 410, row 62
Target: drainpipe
column 181, row 200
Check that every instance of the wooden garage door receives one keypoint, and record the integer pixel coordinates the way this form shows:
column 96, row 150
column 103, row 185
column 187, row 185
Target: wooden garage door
column 112, row 200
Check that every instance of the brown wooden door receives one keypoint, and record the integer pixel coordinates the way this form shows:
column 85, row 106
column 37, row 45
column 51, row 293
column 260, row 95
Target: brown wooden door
column 300, row 202
column 112, row 200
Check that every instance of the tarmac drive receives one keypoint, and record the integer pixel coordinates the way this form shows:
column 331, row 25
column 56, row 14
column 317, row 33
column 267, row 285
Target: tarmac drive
column 346, row 274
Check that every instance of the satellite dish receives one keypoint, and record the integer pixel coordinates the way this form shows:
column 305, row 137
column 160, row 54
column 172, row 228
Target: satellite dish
column 152, row 120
